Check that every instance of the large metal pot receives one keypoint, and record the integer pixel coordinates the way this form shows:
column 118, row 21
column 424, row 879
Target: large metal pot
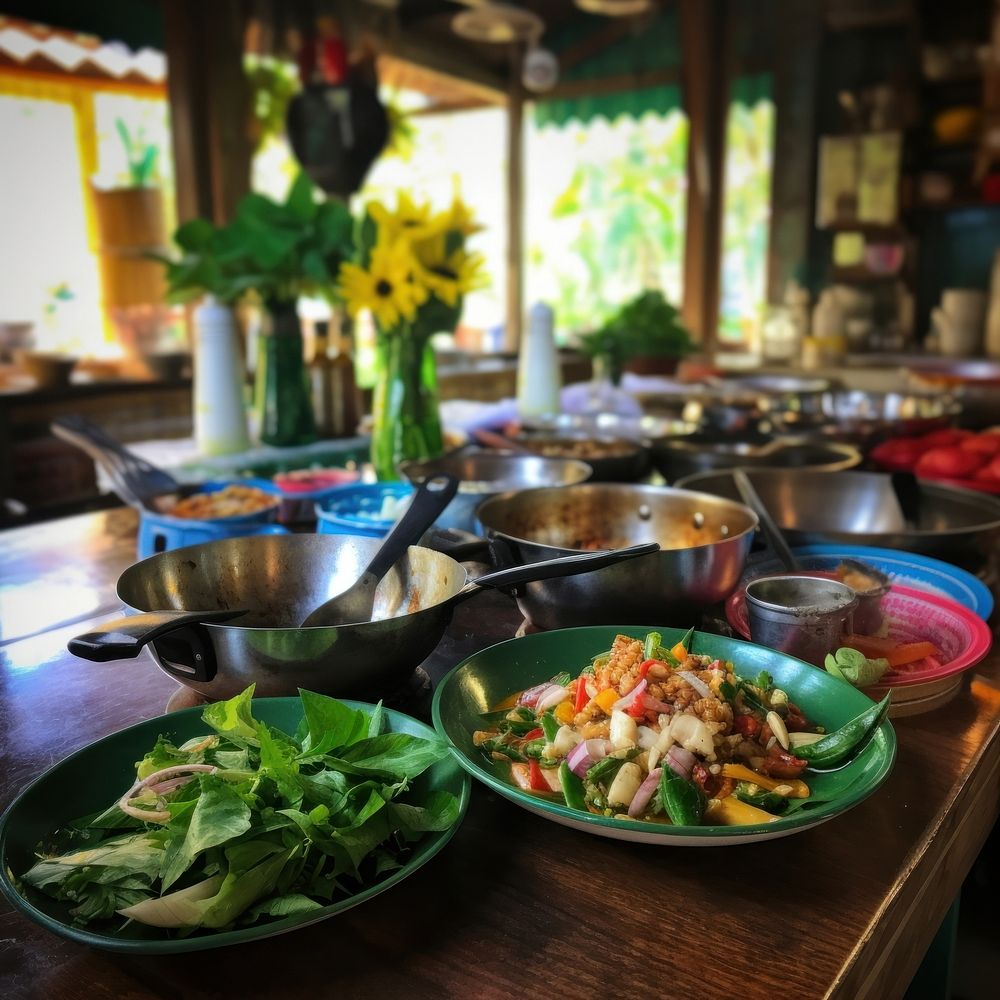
column 866, row 508
column 182, row 603
column 704, row 544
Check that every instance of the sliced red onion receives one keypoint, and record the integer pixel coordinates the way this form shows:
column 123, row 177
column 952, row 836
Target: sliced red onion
column 681, row 760
column 625, row 702
column 583, row 756
column 551, row 697
column 531, row 696
column 696, row 682
column 646, row 791
column 655, row 705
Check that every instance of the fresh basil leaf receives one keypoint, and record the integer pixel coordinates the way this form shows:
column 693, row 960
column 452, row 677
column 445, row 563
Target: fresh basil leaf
column 289, row 905
column 219, row 815
column 439, row 812
column 393, row 754
column 330, row 724
column 233, row 718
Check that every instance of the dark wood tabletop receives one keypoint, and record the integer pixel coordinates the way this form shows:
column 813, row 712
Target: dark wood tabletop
column 515, row 906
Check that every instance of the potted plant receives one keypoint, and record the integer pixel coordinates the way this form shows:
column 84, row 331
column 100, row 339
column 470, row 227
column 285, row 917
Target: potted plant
column 645, row 336
column 277, row 251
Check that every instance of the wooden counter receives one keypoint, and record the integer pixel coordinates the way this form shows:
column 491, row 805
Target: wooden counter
column 515, row 906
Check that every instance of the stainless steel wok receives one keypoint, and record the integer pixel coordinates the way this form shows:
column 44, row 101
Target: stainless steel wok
column 865, row 508
column 183, row 601
column 704, row 544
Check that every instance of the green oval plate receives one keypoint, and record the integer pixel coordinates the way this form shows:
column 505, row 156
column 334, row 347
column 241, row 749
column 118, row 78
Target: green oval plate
column 97, row 774
column 485, row 679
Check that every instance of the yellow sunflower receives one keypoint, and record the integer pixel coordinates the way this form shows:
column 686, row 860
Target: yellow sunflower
column 388, row 286
column 448, row 275
column 460, row 218
column 410, row 220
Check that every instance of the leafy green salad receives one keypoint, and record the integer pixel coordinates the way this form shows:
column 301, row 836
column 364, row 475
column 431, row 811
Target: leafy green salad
column 249, row 823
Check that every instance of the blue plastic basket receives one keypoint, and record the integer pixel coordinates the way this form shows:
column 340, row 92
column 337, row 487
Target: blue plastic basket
column 354, row 510
column 161, row 532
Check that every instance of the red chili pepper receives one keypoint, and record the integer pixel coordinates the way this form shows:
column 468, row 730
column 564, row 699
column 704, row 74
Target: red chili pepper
column 534, row 734
column 537, row 779
column 747, row 725
column 581, row 694
column 645, row 665
column 637, row 709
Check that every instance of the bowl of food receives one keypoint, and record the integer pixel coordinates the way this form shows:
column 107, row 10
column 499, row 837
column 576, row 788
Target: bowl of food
column 663, row 737
column 927, row 640
column 302, row 489
column 212, row 510
column 368, row 509
column 611, row 459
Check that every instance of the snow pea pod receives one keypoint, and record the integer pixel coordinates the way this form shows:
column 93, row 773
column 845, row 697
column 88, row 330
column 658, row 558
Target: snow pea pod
column 847, row 741
column 682, row 799
column 572, row 788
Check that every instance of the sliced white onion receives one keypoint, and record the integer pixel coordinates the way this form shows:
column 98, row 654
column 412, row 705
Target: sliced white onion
column 583, row 756
column 680, row 760
column 551, row 697
column 696, row 682
column 646, row 791
column 637, row 692
column 647, row 737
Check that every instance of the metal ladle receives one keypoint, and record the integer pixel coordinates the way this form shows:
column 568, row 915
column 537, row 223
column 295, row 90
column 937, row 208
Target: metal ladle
column 355, row 604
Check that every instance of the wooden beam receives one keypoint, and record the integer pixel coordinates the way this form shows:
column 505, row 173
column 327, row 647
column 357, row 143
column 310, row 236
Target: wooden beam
column 705, row 48
column 793, row 179
column 515, row 203
column 612, row 84
column 208, row 106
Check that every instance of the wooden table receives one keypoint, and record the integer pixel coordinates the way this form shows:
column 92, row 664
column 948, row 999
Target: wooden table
column 515, row 906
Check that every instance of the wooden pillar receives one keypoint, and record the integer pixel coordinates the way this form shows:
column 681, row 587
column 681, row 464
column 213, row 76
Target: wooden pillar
column 793, row 188
column 515, row 203
column 208, row 106
column 705, row 79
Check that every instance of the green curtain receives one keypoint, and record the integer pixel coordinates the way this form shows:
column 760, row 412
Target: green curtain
column 661, row 99
column 751, row 90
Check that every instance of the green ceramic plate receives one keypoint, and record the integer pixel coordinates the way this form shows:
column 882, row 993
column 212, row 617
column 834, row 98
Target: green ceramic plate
column 96, row 775
column 484, row 680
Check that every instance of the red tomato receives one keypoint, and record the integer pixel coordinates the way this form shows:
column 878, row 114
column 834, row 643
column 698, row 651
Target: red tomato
column 898, row 453
column 945, row 436
column 947, row 463
column 989, row 473
column 986, row 445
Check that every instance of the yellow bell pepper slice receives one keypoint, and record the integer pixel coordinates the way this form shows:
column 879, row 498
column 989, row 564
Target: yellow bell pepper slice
column 679, row 652
column 606, row 699
column 731, row 811
column 564, row 713
column 799, row 789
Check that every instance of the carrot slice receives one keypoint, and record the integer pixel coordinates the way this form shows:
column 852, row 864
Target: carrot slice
column 897, row 653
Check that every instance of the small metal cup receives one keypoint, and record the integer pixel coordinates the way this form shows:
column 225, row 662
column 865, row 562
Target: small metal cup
column 803, row 616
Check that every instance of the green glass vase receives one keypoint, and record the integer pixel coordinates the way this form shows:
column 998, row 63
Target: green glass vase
column 407, row 421
column 283, row 400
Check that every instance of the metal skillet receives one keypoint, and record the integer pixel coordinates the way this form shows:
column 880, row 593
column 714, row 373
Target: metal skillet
column 184, row 604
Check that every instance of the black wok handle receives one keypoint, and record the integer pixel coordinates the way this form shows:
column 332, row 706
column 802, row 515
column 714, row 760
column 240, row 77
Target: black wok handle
column 123, row 638
column 430, row 499
column 549, row 569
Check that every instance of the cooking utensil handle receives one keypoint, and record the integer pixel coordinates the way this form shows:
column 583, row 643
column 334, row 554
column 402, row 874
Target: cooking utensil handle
column 500, row 442
column 549, row 569
column 123, row 638
column 772, row 532
column 431, row 498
